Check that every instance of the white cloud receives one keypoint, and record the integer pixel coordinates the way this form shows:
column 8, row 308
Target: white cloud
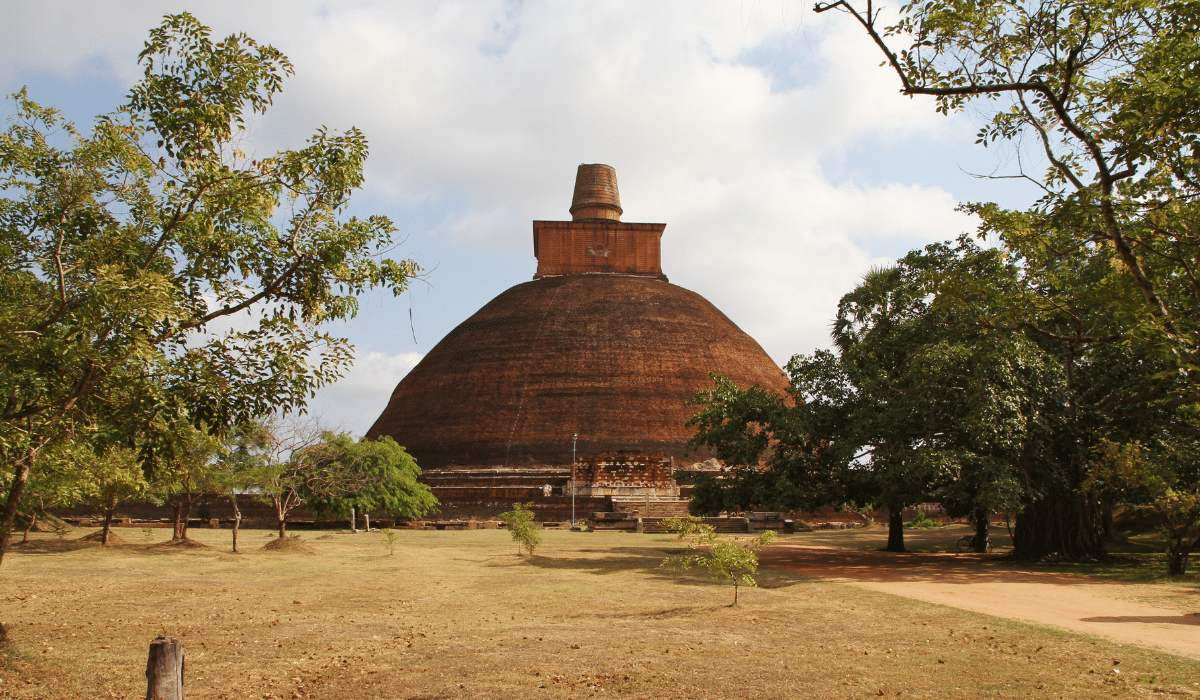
column 357, row 399
column 722, row 119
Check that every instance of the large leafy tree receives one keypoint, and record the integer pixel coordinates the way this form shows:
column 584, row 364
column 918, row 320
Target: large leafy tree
column 912, row 406
column 295, row 462
column 194, row 470
column 1107, row 92
column 123, row 249
column 1072, row 309
column 380, row 476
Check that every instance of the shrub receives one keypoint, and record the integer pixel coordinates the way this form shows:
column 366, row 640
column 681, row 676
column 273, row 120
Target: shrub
column 922, row 520
column 726, row 559
column 521, row 526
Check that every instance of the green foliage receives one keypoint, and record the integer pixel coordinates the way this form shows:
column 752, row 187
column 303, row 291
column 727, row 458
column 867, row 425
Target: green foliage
column 105, row 478
column 191, row 469
column 295, row 462
column 522, row 527
column 389, row 540
column 123, row 250
column 915, row 404
column 1162, row 480
column 688, row 527
column 730, row 559
column 375, row 476
column 922, row 520
column 1100, row 273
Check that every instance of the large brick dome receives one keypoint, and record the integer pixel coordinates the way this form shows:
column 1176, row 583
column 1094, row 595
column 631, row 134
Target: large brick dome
column 599, row 344
column 614, row 358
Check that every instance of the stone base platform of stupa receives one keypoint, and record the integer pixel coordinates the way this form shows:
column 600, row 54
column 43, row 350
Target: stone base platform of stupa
column 482, row 493
column 620, row 481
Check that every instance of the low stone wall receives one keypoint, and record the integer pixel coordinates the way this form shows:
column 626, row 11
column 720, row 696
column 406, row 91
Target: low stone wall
column 484, row 505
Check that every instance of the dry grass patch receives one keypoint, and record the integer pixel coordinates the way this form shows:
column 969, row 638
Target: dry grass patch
column 459, row 615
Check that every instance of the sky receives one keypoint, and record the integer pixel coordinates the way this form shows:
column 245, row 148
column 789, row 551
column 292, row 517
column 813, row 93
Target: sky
column 779, row 153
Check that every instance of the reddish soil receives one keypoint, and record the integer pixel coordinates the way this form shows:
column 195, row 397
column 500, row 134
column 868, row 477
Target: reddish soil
column 1151, row 615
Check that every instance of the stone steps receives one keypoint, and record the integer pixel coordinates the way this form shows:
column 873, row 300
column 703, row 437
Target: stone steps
column 651, row 508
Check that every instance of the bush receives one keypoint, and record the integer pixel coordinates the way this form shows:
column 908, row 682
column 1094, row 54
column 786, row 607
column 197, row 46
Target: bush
column 520, row 525
column 726, row 559
column 922, row 520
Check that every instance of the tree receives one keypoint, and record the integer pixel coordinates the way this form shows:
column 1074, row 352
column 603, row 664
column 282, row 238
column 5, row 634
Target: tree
column 521, row 526
column 1163, row 480
column 730, row 559
column 920, row 402
column 190, row 472
column 379, row 476
column 55, row 486
column 1108, row 91
column 109, row 477
column 243, row 458
column 119, row 251
column 296, row 462
column 280, row 476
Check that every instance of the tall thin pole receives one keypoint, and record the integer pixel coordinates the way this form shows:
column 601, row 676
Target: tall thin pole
column 574, row 439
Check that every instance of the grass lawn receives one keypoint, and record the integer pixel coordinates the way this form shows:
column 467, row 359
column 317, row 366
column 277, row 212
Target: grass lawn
column 460, row 615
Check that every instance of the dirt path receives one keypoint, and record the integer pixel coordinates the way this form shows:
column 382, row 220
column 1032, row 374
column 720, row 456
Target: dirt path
column 1162, row 616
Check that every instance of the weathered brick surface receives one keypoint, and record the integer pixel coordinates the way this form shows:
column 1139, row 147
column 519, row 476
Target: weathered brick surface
column 597, row 245
column 596, row 195
column 625, row 468
column 614, row 358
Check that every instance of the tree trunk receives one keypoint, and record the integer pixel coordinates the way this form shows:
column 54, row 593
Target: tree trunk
column 1060, row 528
column 1177, row 557
column 187, row 515
column 237, row 519
column 108, row 516
column 32, row 521
column 164, row 669
column 1179, row 544
column 981, row 530
column 895, row 541
column 177, row 531
column 9, row 512
column 280, row 518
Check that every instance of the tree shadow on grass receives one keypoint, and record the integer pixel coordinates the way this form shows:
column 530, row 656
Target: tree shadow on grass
column 649, row 562
column 885, row 567
column 43, row 546
column 1184, row 619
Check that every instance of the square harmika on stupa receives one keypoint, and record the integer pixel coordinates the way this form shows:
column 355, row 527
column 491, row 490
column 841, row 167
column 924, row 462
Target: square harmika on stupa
column 598, row 345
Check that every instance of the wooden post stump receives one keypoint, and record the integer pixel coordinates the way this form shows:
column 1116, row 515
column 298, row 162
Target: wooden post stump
column 164, row 669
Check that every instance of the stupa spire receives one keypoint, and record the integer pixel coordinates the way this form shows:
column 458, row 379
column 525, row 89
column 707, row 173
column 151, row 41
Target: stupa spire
column 596, row 195
column 595, row 240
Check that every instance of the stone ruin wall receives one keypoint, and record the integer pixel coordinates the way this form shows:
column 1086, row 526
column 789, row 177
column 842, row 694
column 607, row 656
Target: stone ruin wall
column 626, row 473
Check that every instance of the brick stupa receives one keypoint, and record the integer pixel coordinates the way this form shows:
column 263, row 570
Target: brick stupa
column 598, row 345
